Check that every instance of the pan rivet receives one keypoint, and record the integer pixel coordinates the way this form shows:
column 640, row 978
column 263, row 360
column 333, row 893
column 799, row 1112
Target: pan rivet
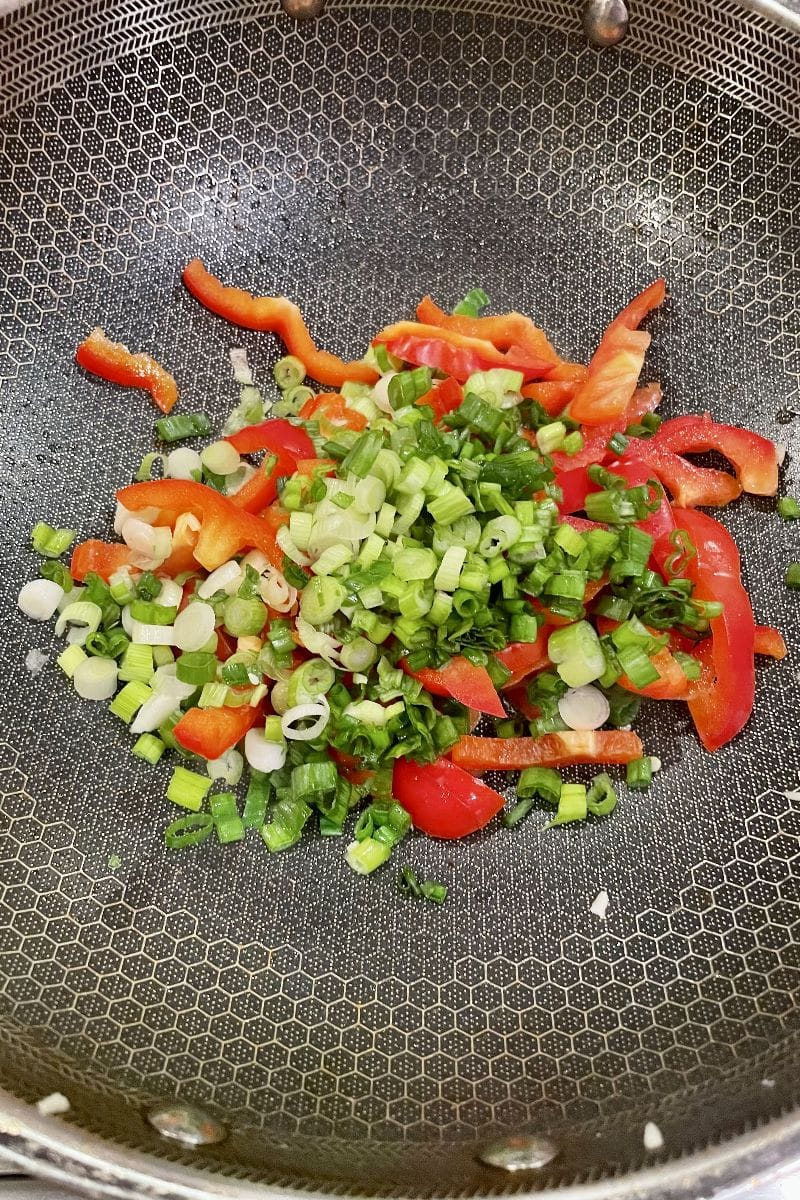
column 524, row 1152
column 303, row 8
column 605, row 22
column 186, row 1124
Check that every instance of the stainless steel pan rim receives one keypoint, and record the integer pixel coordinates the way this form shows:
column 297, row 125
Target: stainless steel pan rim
column 66, row 1156
column 125, row 1162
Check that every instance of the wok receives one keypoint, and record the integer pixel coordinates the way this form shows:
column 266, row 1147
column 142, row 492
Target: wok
column 285, row 1024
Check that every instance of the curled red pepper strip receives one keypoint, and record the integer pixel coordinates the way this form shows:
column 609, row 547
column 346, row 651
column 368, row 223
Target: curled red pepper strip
column 503, row 331
column 617, row 363
column 273, row 314
column 115, row 362
column 753, row 457
column 456, row 354
column 769, row 642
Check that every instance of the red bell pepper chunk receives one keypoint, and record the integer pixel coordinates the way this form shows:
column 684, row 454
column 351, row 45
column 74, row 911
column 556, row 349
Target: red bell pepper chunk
column 455, row 354
column 103, row 558
column 463, row 681
column 596, row 438
column 688, row 484
column 445, row 396
column 442, row 800
column 769, row 642
column 332, row 412
column 115, row 362
column 209, row 732
column 523, row 658
column 553, row 394
column 753, row 457
column 287, row 443
column 273, row 314
column 225, row 529
column 503, row 331
column 617, row 363
column 723, row 708
column 550, row 750
column 672, row 684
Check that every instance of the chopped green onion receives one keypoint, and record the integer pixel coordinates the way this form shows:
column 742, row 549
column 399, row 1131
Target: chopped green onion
column 408, row 883
column 320, row 599
column 56, row 572
column 70, row 659
column 149, row 747
column 407, row 387
column 601, row 798
column 256, row 800
column 129, row 700
column 312, row 779
column 788, row 508
column 188, row 831
column 473, row 303
column 49, row 541
column 572, row 804
column 639, row 773
column 145, row 468
column 197, row 667
column 243, row 618
column 570, row 541
column 792, row 576
column 310, row 681
column 360, row 459
column 539, row 781
column 289, row 372
column 437, row 892
column 551, row 437
column 577, row 654
column 150, row 613
column 617, row 444
column 573, row 443
column 366, row 856
column 285, row 825
column 690, row 666
column 148, row 586
column 513, row 816
column 187, row 788
column 178, row 426
column 225, row 814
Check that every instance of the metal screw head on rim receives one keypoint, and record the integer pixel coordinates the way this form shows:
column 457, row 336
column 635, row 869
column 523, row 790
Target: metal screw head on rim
column 186, row 1124
column 605, row 22
column 524, row 1152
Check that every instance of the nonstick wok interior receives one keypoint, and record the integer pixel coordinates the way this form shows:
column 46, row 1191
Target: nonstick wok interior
column 345, row 1037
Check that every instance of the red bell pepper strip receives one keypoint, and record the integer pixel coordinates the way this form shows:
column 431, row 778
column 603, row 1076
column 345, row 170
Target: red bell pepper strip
column 688, row 484
column 103, row 558
column 463, row 681
column 593, row 588
column 445, row 396
column 550, row 750
column 225, row 529
column 553, row 394
column 280, row 437
column 596, row 438
column 442, row 800
column 287, row 443
column 753, row 457
column 672, row 684
column 209, row 732
column 455, row 354
column 723, row 709
column 523, row 658
column 273, row 314
column 332, row 412
column 769, row 642
column 115, row 362
column 617, row 363
column 503, row 331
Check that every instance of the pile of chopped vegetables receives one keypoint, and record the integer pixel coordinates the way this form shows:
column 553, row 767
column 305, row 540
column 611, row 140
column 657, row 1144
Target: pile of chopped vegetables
column 332, row 595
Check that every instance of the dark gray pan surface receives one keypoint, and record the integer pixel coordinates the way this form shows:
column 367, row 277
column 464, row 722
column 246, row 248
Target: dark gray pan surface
column 355, row 165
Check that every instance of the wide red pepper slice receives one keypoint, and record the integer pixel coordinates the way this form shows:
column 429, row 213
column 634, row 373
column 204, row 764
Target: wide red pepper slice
column 463, row 681
column 225, row 529
column 209, row 732
column 445, row 396
column 617, row 363
column 287, row 443
column 550, row 750
column 443, row 800
column 724, row 707
column 456, row 354
column 115, row 362
column 102, row 558
column 753, row 457
column 523, row 658
column 273, row 314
